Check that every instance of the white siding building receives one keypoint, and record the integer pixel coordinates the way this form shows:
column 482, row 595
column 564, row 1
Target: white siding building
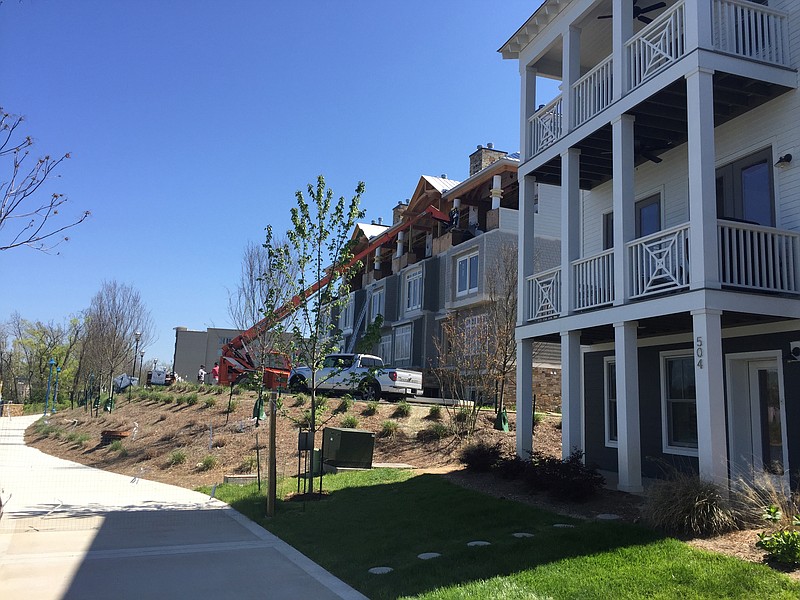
column 675, row 299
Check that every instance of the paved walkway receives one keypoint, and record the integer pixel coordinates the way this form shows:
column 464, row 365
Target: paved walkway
column 74, row 532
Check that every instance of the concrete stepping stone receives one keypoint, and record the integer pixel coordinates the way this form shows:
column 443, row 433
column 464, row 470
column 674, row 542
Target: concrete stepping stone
column 428, row 555
column 381, row 570
column 478, row 543
column 564, row 526
column 522, row 534
column 607, row 517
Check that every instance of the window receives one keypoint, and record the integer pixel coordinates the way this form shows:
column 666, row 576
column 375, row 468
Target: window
column 679, row 423
column 402, row 343
column 608, row 230
column 377, row 303
column 414, row 290
column 745, row 190
column 610, row 372
column 475, row 338
column 346, row 316
column 648, row 215
column 467, row 274
column 385, row 349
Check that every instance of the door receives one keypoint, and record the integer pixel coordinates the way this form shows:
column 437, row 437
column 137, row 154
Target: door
column 767, row 420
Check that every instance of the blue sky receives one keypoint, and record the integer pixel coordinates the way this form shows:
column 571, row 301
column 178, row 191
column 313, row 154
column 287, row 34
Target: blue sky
column 192, row 123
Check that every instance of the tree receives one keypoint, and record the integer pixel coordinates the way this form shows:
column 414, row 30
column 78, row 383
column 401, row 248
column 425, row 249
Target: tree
column 27, row 218
column 246, row 304
column 115, row 314
column 318, row 249
column 501, row 288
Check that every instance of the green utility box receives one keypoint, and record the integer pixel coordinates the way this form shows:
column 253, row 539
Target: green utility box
column 347, row 448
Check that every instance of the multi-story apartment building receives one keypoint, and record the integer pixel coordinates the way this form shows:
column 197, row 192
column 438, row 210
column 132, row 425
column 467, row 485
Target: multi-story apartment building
column 675, row 299
column 433, row 268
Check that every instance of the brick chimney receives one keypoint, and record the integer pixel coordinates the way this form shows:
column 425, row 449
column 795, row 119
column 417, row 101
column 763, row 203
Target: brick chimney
column 483, row 157
column 397, row 212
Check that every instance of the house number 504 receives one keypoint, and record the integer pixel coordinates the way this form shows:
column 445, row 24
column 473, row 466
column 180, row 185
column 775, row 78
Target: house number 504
column 698, row 351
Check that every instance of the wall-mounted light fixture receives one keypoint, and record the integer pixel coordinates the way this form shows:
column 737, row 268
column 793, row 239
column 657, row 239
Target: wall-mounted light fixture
column 784, row 161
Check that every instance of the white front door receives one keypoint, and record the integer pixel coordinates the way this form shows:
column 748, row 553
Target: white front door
column 767, row 420
column 757, row 417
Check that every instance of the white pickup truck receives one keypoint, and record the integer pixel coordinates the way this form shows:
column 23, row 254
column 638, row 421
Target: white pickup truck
column 363, row 374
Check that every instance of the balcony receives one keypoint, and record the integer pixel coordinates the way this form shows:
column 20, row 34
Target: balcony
column 751, row 257
column 739, row 28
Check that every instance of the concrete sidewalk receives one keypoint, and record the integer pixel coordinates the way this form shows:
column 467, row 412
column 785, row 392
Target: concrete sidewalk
column 70, row 531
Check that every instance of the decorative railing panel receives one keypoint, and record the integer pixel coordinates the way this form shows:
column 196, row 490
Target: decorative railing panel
column 659, row 262
column 656, row 46
column 547, row 126
column 544, row 294
column 759, row 258
column 593, row 92
column 594, row 280
column 751, row 30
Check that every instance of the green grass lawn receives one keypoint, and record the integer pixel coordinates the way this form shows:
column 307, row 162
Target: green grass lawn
column 387, row 517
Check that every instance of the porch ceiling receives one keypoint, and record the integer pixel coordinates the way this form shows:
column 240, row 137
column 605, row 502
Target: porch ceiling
column 661, row 126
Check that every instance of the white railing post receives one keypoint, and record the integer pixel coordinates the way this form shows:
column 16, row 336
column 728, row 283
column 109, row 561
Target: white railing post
column 658, row 45
column 593, row 92
column 751, row 30
column 594, row 280
column 659, row 262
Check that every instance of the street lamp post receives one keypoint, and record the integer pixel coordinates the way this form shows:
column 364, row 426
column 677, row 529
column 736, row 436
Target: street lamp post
column 141, row 364
column 55, row 393
column 50, row 362
column 138, row 335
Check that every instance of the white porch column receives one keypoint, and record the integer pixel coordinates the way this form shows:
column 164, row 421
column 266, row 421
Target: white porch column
column 629, row 446
column 524, row 398
column 571, row 413
column 525, row 254
column 623, row 202
column 621, row 32
column 527, row 109
column 400, row 238
column 570, row 224
column 703, row 246
column 496, row 192
column 570, row 73
column 698, row 24
column 712, row 437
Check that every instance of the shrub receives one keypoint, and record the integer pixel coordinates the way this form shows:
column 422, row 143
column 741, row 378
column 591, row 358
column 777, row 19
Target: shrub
column 236, row 390
column 209, row 402
column 436, row 431
column 321, row 403
column 300, row 399
column 512, row 468
column 345, row 405
column 180, row 400
column 79, row 439
column 177, row 457
column 116, row 446
column 232, row 406
column 218, row 390
column 568, row 479
column 403, row 409
column 388, row 429
column 248, row 465
column 370, row 409
column 350, row 422
column 208, row 463
column 191, row 399
column 481, row 456
column 461, row 416
column 45, row 429
column 684, row 504
column 435, row 412
column 537, row 418
column 782, row 546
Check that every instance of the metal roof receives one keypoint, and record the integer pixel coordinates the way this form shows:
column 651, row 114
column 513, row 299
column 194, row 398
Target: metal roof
column 440, row 184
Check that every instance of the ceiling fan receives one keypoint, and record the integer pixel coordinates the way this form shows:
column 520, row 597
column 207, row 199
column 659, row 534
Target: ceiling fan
column 639, row 11
column 648, row 151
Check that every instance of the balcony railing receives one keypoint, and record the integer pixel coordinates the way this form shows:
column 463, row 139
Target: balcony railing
column 544, row 292
column 659, row 262
column 656, row 46
column 759, row 258
column 751, row 30
column 592, row 93
column 546, row 126
column 594, row 280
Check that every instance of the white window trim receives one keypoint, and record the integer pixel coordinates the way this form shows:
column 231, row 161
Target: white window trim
column 386, row 343
column 665, row 447
column 607, row 420
column 382, row 291
column 347, row 316
column 417, row 273
column 397, row 348
column 468, row 290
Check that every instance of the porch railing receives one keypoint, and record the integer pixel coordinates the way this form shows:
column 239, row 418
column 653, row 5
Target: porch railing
column 544, row 292
column 592, row 93
column 751, row 30
column 659, row 262
column 547, row 126
column 656, row 46
column 759, row 258
column 594, row 280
